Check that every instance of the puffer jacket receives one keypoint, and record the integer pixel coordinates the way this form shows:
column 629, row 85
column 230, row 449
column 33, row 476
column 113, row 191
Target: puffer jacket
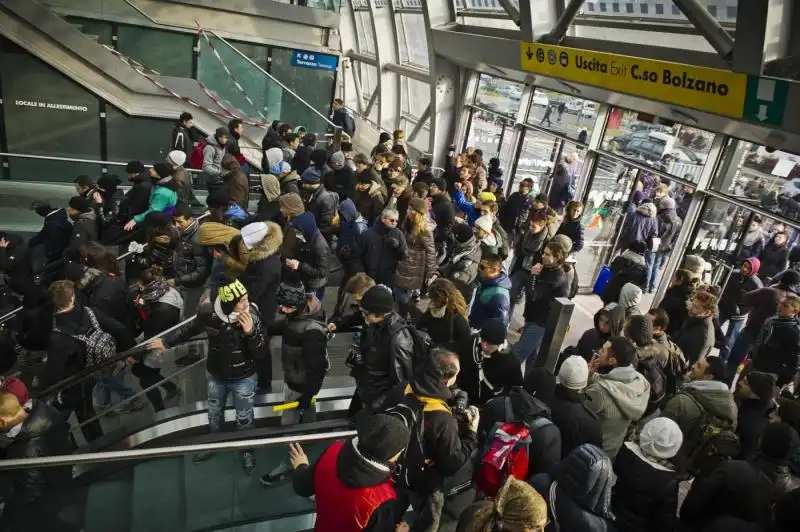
column 669, row 226
column 310, row 249
column 547, row 286
column 322, row 204
column 577, row 424
column 341, row 181
column 231, row 353
column 84, row 230
column 515, row 212
column 629, row 267
column 370, row 202
column 105, row 293
column 388, row 352
column 212, row 162
column 419, row 264
column 777, row 349
column 303, row 349
column 619, row 398
column 236, row 183
column 462, row 266
column 263, row 273
column 492, row 300
column 674, row 304
column 192, row 261
column 352, row 226
column 443, row 213
column 774, row 259
column 380, row 249
column 695, row 338
column 641, row 226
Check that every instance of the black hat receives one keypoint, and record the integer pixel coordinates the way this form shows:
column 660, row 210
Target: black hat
column 163, row 170
column 778, row 441
column 84, row 180
column 640, row 330
column 134, row 167
column 291, row 295
column 309, row 139
column 381, row 437
column 762, row 384
column 365, row 177
column 157, row 219
column 427, row 161
column 440, row 183
column 494, row 162
column 790, row 278
column 42, row 208
column 221, row 131
column 495, row 172
column 384, row 137
column 80, row 204
column 378, row 300
column 109, row 182
column 494, row 332
column 229, row 296
column 638, row 247
column 462, row 232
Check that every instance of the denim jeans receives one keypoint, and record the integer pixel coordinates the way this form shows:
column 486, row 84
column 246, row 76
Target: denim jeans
column 243, row 390
column 106, row 385
column 653, row 259
column 735, row 326
column 520, row 280
column 741, row 348
column 527, row 348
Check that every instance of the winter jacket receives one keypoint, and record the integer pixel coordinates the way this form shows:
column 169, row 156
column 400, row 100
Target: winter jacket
column 491, row 301
column 730, row 302
column 619, row 398
column 322, row 204
column 674, row 304
column 163, row 198
column 84, row 230
column 290, row 183
column 54, row 235
column 304, row 354
column 754, row 248
column 515, row 212
column 231, row 353
column 341, row 181
column 269, row 210
column 419, row 264
column 669, row 227
column 574, row 230
column 44, row 433
column 628, row 267
column 746, row 490
column 104, row 293
column 158, row 316
column 777, row 349
column 462, row 267
column 592, row 340
column 774, row 259
column 528, row 250
column 137, row 199
column 15, row 258
column 645, row 495
column 576, row 422
column 641, row 226
column 352, row 492
column 182, row 140
column 370, row 202
column 263, row 273
column 310, row 249
column 352, row 226
column 547, row 286
column 444, row 215
column 212, row 161
column 302, row 158
column 695, row 338
column 451, row 332
column 380, row 250
column 183, row 185
column 36, row 319
column 754, row 417
column 559, row 189
column 764, row 304
column 192, row 261
column 388, row 352
column 236, row 184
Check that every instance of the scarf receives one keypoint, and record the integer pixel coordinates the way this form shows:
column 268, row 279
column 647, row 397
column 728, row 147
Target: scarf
column 154, row 291
column 750, row 237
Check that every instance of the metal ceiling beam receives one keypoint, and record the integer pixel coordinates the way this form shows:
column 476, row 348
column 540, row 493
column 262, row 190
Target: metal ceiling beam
column 362, row 58
column 751, row 33
column 708, row 27
column 511, row 9
column 426, row 114
column 418, row 74
column 556, row 35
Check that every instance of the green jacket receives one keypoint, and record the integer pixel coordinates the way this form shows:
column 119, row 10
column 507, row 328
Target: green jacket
column 161, row 199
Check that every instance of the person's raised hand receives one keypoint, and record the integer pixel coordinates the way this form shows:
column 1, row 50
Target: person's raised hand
column 297, row 456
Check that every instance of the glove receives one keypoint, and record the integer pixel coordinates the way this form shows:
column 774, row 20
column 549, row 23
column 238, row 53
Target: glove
column 393, row 243
column 305, row 402
column 135, row 247
column 474, row 418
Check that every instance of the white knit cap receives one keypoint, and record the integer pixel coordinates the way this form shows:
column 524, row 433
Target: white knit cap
column 574, row 373
column 254, row 233
column 485, row 223
column 176, row 157
column 661, row 438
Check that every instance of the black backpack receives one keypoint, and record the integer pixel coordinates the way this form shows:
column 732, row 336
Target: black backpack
column 422, row 343
column 711, row 441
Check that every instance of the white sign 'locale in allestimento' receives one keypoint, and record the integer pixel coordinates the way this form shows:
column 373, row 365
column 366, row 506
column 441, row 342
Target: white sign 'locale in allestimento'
column 50, row 105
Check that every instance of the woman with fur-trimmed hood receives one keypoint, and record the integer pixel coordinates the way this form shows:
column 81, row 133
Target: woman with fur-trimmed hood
column 262, row 275
column 230, row 255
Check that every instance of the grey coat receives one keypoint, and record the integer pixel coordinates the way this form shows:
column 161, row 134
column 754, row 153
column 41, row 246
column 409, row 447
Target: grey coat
column 212, row 161
column 419, row 263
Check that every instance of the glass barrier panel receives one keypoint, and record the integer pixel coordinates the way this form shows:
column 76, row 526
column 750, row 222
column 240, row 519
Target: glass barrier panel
column 563, row 114
column 491, row 133
column 661, row 11
column 498, row 94
column 112, row 9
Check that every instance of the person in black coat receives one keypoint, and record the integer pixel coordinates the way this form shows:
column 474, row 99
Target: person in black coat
column 306, row 256
column 646, row 493
column 578, row 424
column 137, row 199
column 774, row 257
column 629, row 267
column 445, row 321
column 302, row 156
column 731, row 308
column 85, row 227
column 101, row 291
column 319, row 201
column 681, row 289
column 15, row 257
column 490, row 369
column 443, row 213
column 55, row 232
column 515, row 212
column 754, row 395
column 381, row 248
column 777, row 349
column 571, row 226
column 746, row 490
column 527, row 253
column 341, row 178
column 192, row 261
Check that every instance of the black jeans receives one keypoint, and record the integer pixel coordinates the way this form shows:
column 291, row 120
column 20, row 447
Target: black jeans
column 78, row 399
column 150, row 377
column 264, row 370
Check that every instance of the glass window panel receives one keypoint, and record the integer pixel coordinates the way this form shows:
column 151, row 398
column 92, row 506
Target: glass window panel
column 416, row 96
column 590, row 6
column 538, row 157
column 500, row 95
column 659, row 9
column 676, row 10
column 713, row 11
column 166, row 52
column 313, row 85
column 615, row 7
column 676, row 149
column 129, row 138
column 731, row 12
column 485, row 131
column 369, row 80
column 366, row 39
column 421, row 142
column 568, row 115
column 497, row 23
column 629, row 7
column 413, row 40
column 51, row 114
column 644, row 8
column 603, row 7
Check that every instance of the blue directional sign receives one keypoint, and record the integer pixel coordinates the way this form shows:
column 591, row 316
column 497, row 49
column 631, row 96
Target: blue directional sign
column 314, row 60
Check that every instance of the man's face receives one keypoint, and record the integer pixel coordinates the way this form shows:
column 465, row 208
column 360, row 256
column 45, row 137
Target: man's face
column 536, row 226
column 548, row 259
column 188, row 124
column 780, row 239
column 336, row 106
column 389, row 221
column 487, row 270
column 371, row 318
column 743, row 389
column 379, row 164
column 524, row 189
column 222, row 139
column 181, row 222
column 131, row 175
column 433, row 190
column 603, row 324
column 361, row 167
column 464, row 174
column 605, row 357
column 239, row 129
column 493, row 187
column 363, row 187
column 699, row 370
column 243, row 305
column 80, row 189
column 754, row 226
column 747, row 269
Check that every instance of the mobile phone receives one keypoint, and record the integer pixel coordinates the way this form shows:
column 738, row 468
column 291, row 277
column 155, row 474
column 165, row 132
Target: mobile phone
column 233, row 316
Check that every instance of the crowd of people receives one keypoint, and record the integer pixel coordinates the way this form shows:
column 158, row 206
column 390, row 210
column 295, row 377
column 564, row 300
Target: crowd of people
column 641, row 427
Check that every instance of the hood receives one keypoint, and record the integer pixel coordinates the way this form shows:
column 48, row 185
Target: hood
column 587, row 478
column 212, row 140
column 347, row 211
column 269, row 245
column 173, row 298
column 290, row 177
column 270, row 187
column 647, row 209
column 307, row 225
column 616, row 317
column 715, row 397
column 630, row 296
column 628, row 389
column 90, row 277
column 274, row 156
column 213, row 233
column 501, row 280
column 356, row 471
column 429, row 384
column 633, row 257
column 755, row 265
column 231, row 164
column 525, row 406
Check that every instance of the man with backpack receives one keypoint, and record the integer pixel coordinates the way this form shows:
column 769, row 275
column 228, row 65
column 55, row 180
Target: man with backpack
column 439, row 447
column 704, row 403
column 182, row 134
column 320, row 202
column 213, row 150
column 81, row 338
column 677, row 365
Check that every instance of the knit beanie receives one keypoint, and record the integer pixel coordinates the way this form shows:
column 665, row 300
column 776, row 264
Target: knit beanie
column 487, row 196
column 365, row 177
column 311, row 175
column 80, row 204
column 291, row 204
column 494, row 332
column 291, row 295
column 134, row 167
column 381, row 437
column 220, row 132
column 564, row 241
column 378, row 300
column 254, row 233
column 485, row 223
column 762, row 384
column 779, row 441
column 176, row 157
column 337, row 158
column 494, row 162
column 661, row 438
column 640, row 330
column 163, row 170
column 462, row 232
column 229, row 295
column 418, row 205
column 574, row 373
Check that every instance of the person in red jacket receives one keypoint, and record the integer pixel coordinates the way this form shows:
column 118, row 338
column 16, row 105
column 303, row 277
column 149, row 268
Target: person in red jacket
column 352, row 480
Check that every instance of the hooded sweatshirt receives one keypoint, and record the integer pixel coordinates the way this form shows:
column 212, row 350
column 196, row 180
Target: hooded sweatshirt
column 641, row 226
column 592, row 340
column 212, row 161
column 619, row 398
column 163, row 198
column 269, row 210
column 352, row 226
column 730, row 302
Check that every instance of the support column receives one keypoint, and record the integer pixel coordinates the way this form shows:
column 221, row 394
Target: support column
column 565, row 19
column 386, row 52
column 707, row 26
column 511, row 9
column 751, row 32
column 542, row 14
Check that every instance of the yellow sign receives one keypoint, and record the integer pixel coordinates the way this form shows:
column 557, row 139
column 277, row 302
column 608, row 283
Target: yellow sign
column 707, row 89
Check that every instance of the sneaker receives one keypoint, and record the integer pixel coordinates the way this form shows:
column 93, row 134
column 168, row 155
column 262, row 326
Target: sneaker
column 248, row 462
column 276, row 476
column 172, row 394
column 199, row 458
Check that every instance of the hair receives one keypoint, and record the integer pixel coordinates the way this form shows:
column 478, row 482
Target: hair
column 558, row 251
column 398, row 134
column 95, row 255
column 685, row 277
column 80, row 204
column 399, row 149
column 444, row 363
column 396, row 165
column 347, row 146
column 756, row 218
column 390, row 211
column 183, row 210
column 284, row 128
column 84, row 180
column 469, row 168
column 150, row 274
column 794, row 299
column 381, row 150
column 527, row 181
column 233, row 124
column 517, row 503
column 290, row 137
column 491, row 205
column 707, row 300
column 493, row 259
column 623, row 350
column 359, row 284
column 660, row 318
column 540, row 198
column 445, row 290
column 789, row 412
column 572, row 208
column 185, row 117
column 62, row 293
column 420, row 188
column 476, row 158
column 662, row 189
column 716, row 368
column 11, row 412
column 338, row 101
column 418, row 225
column 539, row 217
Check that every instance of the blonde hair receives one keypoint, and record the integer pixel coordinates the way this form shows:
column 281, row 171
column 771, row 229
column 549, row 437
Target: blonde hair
column 444, row 289
column 517, row 504
column 419, row 223
column 11, row 412
column 359, row 284
column 62, row 293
